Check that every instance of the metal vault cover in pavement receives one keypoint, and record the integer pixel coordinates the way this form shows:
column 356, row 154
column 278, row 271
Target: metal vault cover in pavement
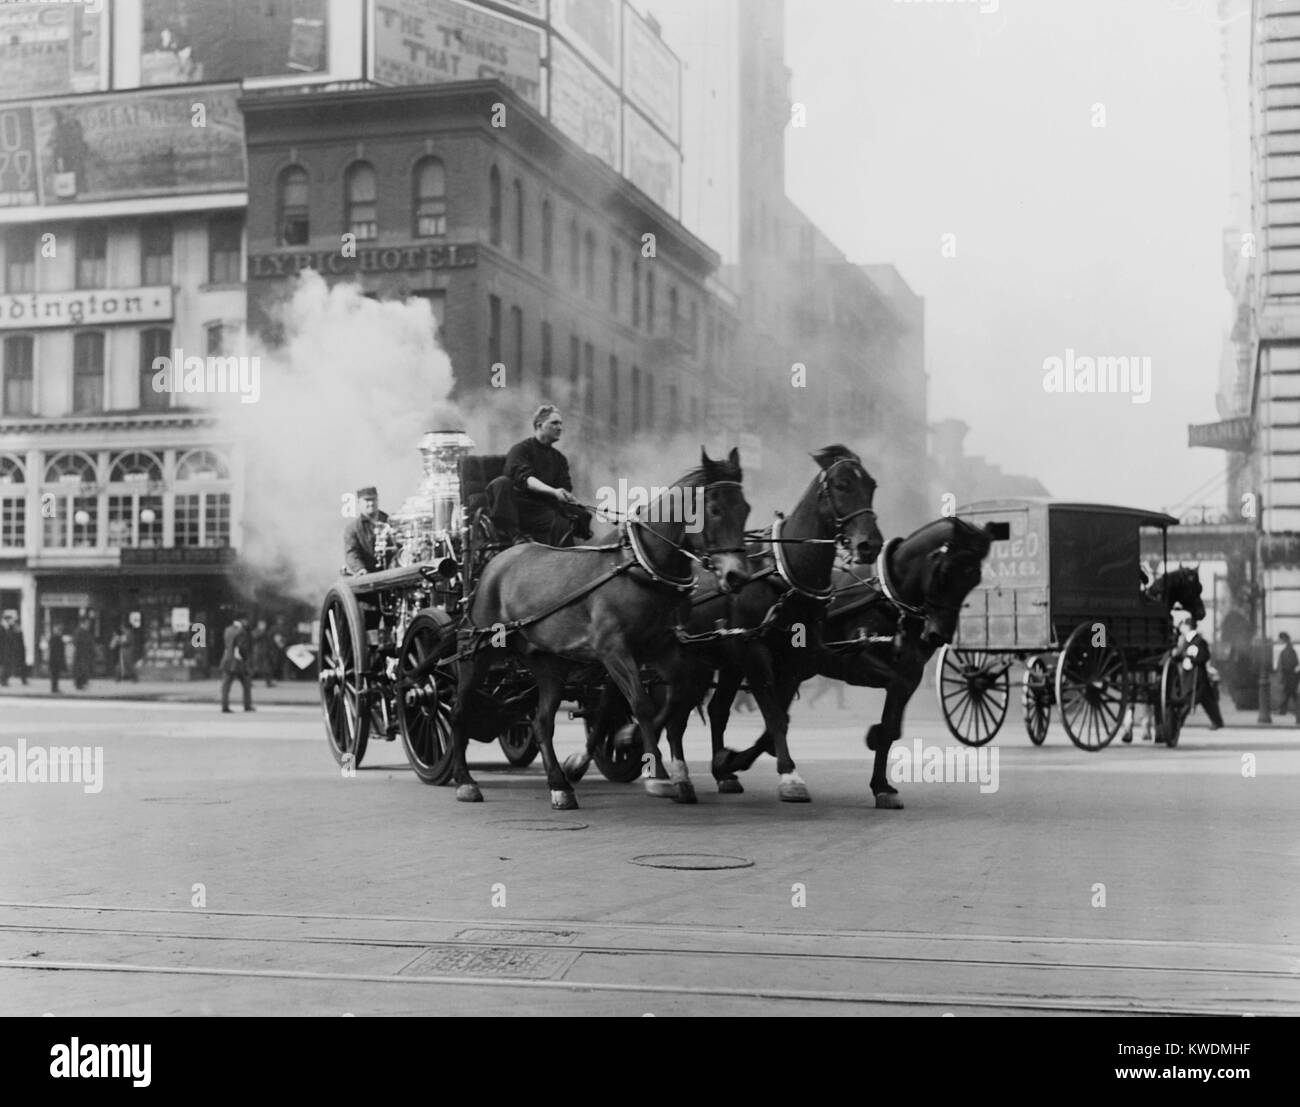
column 500, row 961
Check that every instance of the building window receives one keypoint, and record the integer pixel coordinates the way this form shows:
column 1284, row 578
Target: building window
column 575, row 274
column 361, row 197
column 18, row 375
column 636, row 293
column 13, row 503
column 88, row 372
column 20, row 261
column 575, row 367
column 519, row 218
column 135, row 503
column 708, row 340
column 548, row 234
column 613, row 280
column 430, row 199
column 636, row 399
column 494, row 330
column 71, row 502
column 92, row 255
column 546, row 360
column 154, row 343
column 589, row 381
column 650, row 300
column 224, row 234
column 295, row 226
column 214, row 339
column 649, row 401
column 494, row 206
column 202, row 516
column 672, row 408
column 590, row 251
column 517, row 333
column 695, row 325
column 155, row 252
column 673, row 321
column 613, row 392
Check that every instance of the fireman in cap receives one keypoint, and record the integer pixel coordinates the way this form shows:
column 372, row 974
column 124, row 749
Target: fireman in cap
column 359, row 536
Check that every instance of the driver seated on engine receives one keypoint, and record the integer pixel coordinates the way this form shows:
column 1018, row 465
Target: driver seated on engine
column 359, row 535
column 538, row 487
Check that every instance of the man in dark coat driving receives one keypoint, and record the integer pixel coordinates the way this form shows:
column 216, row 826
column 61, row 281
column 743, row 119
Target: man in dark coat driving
column 538, row 476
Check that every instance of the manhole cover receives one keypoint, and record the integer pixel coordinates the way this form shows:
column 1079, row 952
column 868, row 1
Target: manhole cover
column 518, row 964
column 539, row 824
column 181, row 799
column 692, row 861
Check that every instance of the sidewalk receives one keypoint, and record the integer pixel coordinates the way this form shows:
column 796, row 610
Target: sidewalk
column 294, row 692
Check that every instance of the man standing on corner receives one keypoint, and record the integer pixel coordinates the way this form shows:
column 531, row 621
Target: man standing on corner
column 235, row 663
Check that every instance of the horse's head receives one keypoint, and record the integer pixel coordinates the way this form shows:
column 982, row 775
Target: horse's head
column 720, row 539
column 1184, row 589
column 941, row 564
column 845, row 491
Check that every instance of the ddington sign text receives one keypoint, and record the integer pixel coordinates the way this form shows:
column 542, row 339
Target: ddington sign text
column 374, row 259
column 105, row 305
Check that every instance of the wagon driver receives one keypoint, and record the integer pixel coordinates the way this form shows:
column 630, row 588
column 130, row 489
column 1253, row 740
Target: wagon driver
column 538, row 476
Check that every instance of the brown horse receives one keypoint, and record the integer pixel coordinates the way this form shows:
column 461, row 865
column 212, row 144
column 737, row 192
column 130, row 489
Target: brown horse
column 879, row 632
column 608, row 605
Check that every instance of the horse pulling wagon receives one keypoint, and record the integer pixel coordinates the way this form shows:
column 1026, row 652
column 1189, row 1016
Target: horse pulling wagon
column 1065, row 595
column 389, row 640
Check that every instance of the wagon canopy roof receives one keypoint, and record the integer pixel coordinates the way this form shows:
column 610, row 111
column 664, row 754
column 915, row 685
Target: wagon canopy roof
column 1141, row 516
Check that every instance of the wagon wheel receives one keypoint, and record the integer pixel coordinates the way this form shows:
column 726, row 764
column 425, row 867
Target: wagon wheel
column 1038, row 699
column 1091, row 687
column 974, row 693
column 518, row 745
column 424, row 700
column 343, row 682
column 1177, row 697
column 618, row 755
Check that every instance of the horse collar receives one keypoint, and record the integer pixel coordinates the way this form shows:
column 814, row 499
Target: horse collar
column 681, row 584
column 783, row 569
column 882, row 574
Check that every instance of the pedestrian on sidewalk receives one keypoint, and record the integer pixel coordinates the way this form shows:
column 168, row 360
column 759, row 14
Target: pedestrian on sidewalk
column 1196, row 654
column 263, row 668
column 57, row 656
column 1289, row 666
column 236, row 663
column 12, row 652
column 83, row 655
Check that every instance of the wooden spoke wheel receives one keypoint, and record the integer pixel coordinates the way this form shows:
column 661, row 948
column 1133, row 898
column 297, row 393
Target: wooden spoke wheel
column 1038, row 699
column 343, row 680
column 519, row 745
column 1091, row 686
column 1177, row 698
column 974, row 693
column 424, row 698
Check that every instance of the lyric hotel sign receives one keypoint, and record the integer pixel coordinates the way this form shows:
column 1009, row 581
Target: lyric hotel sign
column 376, row 259
column 25, row 310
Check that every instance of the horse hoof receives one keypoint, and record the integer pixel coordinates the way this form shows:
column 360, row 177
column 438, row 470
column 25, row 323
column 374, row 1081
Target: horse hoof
column 685, row 792
column 664, row 789
column 575, row 766
column 794, row 791
column 887, row 801
column 469, row 793
column 730, row 786
column 563, row 801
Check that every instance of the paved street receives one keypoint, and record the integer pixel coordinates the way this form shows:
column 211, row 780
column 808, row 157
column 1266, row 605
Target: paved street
column 373, row 894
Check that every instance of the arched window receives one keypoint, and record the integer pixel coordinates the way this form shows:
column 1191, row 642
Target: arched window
column 360, row 196
column 295, row 228
column 519, row 218
column 202, row 500
column 135, row 503
column 494, row 206
column 548, row 233
column 154, row 343
column 70, row 501
column 430, row 199
column 88, row 372
column 13, row 503
column 18, row 373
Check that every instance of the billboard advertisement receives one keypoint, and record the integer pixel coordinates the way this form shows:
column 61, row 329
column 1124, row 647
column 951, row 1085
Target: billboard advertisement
column 123, row 146
column 426, row 42
column 52, row 49
column 652, row 76
column 651, row 162
column 20, row 174
column 184, row 41
column 593, row 28
column 583, row 106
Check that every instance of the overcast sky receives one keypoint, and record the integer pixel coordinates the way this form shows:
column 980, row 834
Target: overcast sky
column 932, row 119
